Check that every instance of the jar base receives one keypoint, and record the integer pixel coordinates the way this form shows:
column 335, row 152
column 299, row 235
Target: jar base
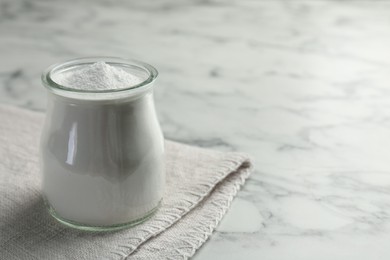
column 84, row 227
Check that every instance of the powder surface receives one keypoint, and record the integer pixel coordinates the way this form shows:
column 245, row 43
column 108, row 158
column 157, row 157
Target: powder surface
column 98, row 76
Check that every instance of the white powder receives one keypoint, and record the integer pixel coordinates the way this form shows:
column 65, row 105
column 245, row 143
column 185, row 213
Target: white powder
column 98, row 76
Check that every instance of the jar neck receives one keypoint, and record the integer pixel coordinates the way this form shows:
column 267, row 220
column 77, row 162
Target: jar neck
column 105, row 98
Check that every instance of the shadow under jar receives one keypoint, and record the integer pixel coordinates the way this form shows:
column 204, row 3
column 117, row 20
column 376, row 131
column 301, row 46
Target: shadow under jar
column 102, row 152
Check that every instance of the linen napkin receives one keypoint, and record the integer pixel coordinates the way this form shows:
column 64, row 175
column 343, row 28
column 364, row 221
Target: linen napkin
column 200, row 187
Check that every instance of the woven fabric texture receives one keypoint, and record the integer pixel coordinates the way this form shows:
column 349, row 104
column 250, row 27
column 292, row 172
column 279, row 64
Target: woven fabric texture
column 200, row 187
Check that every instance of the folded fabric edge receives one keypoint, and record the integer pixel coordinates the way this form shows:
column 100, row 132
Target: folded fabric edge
column 207, row 215
column 232, row 183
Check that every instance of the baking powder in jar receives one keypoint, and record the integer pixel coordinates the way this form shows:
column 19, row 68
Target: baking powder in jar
column 102, row 149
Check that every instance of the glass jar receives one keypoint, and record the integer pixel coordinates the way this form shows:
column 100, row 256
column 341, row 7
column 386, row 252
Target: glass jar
column 102, row 152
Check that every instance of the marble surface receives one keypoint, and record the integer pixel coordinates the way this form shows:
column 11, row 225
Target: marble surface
column 303, row 86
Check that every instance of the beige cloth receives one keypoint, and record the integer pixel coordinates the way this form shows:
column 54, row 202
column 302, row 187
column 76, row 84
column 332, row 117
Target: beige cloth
column 200, row 187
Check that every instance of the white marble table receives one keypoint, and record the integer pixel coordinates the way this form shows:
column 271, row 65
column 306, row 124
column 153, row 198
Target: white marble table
column 303, row 86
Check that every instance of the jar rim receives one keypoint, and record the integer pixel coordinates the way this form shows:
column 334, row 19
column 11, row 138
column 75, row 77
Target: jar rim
column 62, row 90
